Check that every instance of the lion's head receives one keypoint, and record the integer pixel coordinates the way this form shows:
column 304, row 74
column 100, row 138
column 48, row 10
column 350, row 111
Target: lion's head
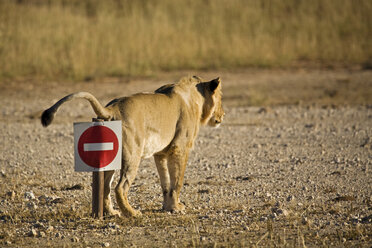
column 213, row 112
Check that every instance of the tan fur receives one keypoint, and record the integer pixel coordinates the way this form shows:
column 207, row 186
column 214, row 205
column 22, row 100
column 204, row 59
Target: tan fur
column 163, row 124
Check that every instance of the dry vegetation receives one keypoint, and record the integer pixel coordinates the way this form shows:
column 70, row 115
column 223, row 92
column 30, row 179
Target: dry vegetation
column 84, row 39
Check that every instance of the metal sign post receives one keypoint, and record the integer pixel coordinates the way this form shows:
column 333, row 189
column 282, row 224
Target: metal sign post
column 98, row 181
column 97, row 194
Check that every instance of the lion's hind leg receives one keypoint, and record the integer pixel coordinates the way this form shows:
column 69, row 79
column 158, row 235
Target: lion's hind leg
column 107, row 204
column 127, row 176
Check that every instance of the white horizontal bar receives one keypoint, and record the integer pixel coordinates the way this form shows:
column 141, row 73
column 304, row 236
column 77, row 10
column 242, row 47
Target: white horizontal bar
column 106, row 146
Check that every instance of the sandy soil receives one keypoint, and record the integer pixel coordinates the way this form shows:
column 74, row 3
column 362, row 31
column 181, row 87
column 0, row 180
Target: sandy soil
column 290, row 166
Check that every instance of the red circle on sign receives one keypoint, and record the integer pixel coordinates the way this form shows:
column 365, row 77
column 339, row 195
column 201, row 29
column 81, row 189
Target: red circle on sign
column 98, row 146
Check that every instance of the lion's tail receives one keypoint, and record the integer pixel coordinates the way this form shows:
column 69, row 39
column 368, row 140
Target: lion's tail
column 103, row 113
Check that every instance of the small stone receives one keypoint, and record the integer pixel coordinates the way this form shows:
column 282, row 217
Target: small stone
column 204, row 217
column 32, row 233
column 50, row 229
column 304, row 221
column 75, row 239
column 74, row 187
column 280, row 211
column 337, row 160
column 311, row 197
column 38, row 225
column 45, row 199
column 106, row 244
column 290, row 198
column 113, row 226
column 42, row 234
column 285, row 212
column 58, row 200
column 262, row 110
column 11, row 195
column 367, row 219
column 263, row 218
column 32, row 205
column 256, row 146
column 29, row 196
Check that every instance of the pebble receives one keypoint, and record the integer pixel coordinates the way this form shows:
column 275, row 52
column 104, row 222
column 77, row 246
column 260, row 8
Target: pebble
column 337, row 160
column 262, row 110
column 280, row 211
column 290, row 198
column 113, row 226
column 304, row 220
column 75, row 239
column 58, row 200
column 45, row 199
column 263, row 218
column 256, row 146
column 285, row 212
column 38, row 225
column 32, row 233
column 29, row 196
column 311, row 197
column 106, row 244
column 32, row 205
column 11, row 195
column 59, row 235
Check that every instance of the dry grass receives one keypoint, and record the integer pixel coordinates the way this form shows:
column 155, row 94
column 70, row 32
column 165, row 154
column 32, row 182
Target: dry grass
column 91, row 38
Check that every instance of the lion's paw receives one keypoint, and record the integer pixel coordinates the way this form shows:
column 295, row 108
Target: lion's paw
column 133, row 213
column 178, row 207
column 112, row 212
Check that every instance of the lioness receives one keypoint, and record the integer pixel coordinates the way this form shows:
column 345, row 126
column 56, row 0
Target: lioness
column 163, row 124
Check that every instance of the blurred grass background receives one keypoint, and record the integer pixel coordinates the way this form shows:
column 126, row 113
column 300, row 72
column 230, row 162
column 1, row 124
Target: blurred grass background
column 82, row 39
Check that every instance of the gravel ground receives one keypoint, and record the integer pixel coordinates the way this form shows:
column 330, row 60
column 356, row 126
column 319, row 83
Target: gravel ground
column 290, row 166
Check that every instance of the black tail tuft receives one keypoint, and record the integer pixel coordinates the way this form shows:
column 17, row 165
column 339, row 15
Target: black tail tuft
column 47, row 117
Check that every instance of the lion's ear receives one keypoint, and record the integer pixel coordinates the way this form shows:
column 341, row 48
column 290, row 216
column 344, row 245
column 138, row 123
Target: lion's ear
column 197, row 78
column 214, row 84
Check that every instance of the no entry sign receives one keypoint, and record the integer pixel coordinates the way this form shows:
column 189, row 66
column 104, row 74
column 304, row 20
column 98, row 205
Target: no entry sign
column 97, row 146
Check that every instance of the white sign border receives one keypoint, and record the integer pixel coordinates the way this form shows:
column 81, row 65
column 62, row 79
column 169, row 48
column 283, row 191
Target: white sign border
column 79, row 128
